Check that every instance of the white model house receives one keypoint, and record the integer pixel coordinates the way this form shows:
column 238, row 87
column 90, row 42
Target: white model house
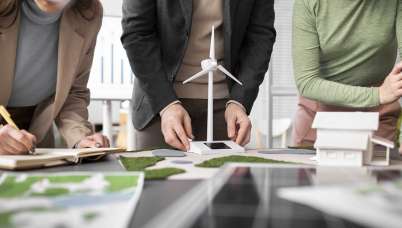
column 347, row 139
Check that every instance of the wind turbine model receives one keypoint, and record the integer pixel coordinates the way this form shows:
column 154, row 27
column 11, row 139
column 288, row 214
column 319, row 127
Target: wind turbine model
column 209, row 66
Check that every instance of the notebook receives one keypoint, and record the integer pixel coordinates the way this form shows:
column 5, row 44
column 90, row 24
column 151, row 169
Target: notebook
column 52, row 157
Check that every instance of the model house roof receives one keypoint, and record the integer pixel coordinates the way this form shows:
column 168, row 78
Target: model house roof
column 358, row 141
column 383, row 142
column 346, row 120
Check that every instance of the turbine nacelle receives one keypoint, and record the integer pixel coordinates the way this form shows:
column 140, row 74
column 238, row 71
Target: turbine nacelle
column 209, row 65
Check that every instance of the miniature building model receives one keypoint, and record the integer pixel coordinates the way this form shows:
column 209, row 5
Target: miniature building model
column 347, row 139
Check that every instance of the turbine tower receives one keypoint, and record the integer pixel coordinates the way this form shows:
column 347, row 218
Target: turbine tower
column 209, row 66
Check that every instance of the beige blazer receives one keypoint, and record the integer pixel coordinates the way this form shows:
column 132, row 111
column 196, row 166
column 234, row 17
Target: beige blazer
column 68, row 107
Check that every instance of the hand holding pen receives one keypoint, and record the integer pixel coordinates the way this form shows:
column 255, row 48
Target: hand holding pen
column 14, row 141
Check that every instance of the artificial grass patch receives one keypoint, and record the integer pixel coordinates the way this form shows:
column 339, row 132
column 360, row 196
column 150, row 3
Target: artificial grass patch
column 218, row 162
column 141, row 163
column 161, row 174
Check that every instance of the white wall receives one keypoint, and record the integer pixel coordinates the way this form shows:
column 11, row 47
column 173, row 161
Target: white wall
column 282, row 75
column 112, row 7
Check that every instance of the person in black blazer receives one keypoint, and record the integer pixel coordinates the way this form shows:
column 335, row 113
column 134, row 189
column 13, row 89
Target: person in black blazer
column 162, row 40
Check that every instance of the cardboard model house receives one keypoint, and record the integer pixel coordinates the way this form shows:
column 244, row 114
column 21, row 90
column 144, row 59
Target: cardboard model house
column 347, row 139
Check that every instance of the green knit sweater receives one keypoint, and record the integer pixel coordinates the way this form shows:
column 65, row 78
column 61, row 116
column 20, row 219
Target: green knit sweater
column 344, row 49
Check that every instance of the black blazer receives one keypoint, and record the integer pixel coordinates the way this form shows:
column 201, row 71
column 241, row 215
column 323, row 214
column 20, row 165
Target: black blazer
column 155, row 36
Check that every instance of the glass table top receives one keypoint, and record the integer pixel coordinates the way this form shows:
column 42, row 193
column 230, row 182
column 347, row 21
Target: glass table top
column 247, row 196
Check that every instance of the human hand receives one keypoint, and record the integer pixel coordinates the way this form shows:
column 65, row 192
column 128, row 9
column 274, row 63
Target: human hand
column 176, row 127
column 94, row 141
column 238, row 124
column 16, row 142
column 391, row 89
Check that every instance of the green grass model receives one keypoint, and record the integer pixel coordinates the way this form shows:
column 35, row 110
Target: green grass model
column 218, row 162
column 141, row 163
column 160, row 174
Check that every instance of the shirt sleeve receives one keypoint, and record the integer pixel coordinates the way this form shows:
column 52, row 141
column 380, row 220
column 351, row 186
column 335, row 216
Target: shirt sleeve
column 306, row 61
column 168, row 106
column 255, row 53
column 236, row 103
column 143, row 47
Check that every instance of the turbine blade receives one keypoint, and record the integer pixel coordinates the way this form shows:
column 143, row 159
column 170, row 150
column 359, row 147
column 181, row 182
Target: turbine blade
column 221, row 68
column 212, row 46
column 197, row 75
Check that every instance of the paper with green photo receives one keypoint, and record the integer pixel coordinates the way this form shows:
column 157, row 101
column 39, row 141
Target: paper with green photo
column 69, row 199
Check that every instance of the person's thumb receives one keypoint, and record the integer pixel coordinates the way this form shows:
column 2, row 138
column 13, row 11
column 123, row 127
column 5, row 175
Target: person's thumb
column 397, row 69
column 187, row 127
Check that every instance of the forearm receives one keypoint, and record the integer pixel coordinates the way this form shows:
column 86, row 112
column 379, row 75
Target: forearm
column 144, row 52
column 73, row 130
column 255, row 53
column 247, row 93
column 72, row 120
column 334, row 93
column 150, row 76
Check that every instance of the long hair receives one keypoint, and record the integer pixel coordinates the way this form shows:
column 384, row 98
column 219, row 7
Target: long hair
column 7, row 7
column 85, row 8
column 8, row 13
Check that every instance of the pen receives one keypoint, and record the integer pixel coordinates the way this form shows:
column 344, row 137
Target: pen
column 7, row 117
